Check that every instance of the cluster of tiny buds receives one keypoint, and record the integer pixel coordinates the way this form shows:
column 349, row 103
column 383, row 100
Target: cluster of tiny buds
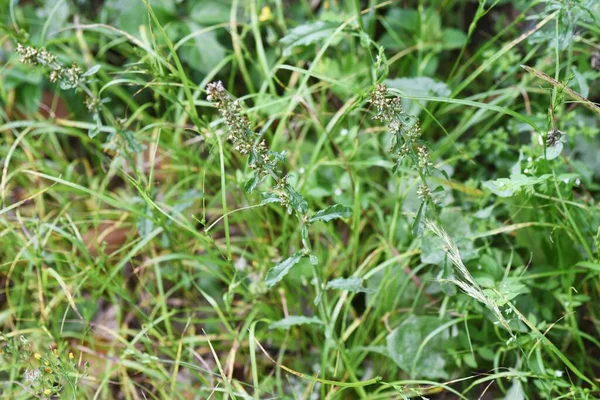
column 406, row 128
column 93, row 104
column 239, row 127
column 31, row 55
column 71, row 76
column 281, row 191
column 424, row 192
column 388, row 108
column 231, row 110
column 404, row 150
column 423, row 159
column 414, row 132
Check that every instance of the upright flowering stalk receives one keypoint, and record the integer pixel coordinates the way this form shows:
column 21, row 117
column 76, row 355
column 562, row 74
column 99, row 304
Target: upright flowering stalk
column 406, row 141
column 265, row 163
column 69, row 78
column 73, row 77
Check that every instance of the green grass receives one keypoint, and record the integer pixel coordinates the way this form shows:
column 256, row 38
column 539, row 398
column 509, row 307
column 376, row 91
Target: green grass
column 134, row 263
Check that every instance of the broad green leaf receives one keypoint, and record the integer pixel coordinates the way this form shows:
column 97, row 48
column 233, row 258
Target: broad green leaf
column 332, row 212
column 297, row 202
column 209, row 12
column 501, row 187
column 203, row 52
column 510, row 288
column 405, row 19
column 453, row 39
column 553, row 152
column 294, row 320
column 252, row 183
column 92, row 70
column 279, row 271
column 584, row 88
column 269, row 197
column 55, row 13
column 307, row 34
column 418, row 87
column 404, row 341
column 507, row 187
column 353, row 284
column 516, row 391
column 458, row 227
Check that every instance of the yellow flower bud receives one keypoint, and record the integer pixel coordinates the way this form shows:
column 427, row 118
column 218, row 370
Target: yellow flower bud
column 37, row 356
column 265, row 14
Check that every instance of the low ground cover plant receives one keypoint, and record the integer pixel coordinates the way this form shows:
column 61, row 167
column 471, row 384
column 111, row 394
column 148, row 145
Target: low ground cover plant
column 299, row 199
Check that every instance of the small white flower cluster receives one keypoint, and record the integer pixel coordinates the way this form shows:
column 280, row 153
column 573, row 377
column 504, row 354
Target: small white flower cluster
column 69, row 77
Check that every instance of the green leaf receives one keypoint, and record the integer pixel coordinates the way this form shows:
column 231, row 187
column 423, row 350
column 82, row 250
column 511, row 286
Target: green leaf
column 279, row 271
column 584, row 88
column 516, row 391
column 418, row 87
column 508, row 187
column 294, row 320
column 500, row 187
column 252, row 183
column 417, row 225
column 553, row 152
column 132, row 143
column 307, row 34
column 403, row 346
column 453, row 38
column 353, row 284
column 204, row 52
column 92, row 70
column 209, row 12
column 332, row 212
column 269, row 197
column 298, row 202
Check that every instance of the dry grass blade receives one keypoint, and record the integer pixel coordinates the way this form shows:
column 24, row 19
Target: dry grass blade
column 561, row 86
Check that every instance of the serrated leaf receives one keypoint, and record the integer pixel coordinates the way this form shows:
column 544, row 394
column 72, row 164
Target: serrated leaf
column 307, row 34
column 270, row 197
column 132, row 142
column 252, row 183
column 332, row 212
column 279, row 271
column 298, row 203
column 352, row 284
column 294, row 320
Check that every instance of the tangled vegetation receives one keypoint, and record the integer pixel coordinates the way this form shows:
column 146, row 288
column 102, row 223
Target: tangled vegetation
column 300, row 199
